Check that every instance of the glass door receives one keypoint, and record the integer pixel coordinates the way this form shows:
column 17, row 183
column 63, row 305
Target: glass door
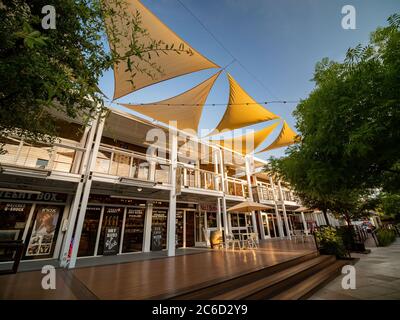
column 200, row 227
column 189, row 228
column 110, row 231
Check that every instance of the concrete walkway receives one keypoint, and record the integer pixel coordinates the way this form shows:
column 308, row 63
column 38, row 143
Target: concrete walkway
column 377, row 277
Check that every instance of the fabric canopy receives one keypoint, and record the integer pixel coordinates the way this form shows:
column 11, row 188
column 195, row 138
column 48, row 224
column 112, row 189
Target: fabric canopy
column 242, row 110
column 286, row 137
column 250, row 141
column 249, row 206
column 172, row 64
column 185, row 109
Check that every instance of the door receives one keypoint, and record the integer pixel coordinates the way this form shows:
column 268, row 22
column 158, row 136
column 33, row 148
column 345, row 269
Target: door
column 189, row 232
column 111, row 230
column 200, row 228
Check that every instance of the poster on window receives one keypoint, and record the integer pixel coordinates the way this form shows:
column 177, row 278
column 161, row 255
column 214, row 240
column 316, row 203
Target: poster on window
column 43, row 231
column 111, row 241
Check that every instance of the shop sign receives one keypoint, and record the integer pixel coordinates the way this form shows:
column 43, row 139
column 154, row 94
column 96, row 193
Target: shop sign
column 208, row 207
column 111, row 241
column 44, row 196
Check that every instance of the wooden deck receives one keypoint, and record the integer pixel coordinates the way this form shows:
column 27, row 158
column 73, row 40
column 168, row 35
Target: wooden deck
column 153, row 278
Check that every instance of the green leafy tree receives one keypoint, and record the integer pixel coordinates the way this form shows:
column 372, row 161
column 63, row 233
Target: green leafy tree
column 59, row 68
column 349, row 127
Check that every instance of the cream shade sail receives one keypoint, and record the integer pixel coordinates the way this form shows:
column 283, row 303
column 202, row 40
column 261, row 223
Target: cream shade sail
column 249, row 206
column 185, row 109
column 286, row 137
column 171, row 64
column 250, row 141
column 242, row 110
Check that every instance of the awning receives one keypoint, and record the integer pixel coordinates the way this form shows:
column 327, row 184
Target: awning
column 242, row 110
column 185, row 109
column 246, row 144
column 144, row 71
column 249, row 206
column 286, row 137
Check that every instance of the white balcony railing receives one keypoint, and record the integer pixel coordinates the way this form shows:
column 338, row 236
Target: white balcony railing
column 131, row 164
column 265, row 191
column 236, row 187
column 57, row 157
column 202, row 179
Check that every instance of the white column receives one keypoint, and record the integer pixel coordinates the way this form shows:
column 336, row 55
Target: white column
column 285, row 218
column 304, row 223
column 219, row 222
column 248, row 176
column 85, row 196
column 77, row 197
column 278, row 216
column 227, row 229
column 148, row 218
column 171, row 223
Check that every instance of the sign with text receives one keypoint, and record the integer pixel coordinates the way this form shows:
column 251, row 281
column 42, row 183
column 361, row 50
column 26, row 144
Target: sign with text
column 111, row 238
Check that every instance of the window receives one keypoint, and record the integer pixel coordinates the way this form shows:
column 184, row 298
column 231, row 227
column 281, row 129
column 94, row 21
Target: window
column 41, row 163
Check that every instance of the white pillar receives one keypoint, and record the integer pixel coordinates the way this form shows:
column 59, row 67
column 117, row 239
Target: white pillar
column 248, row 176
column 278, row 216
column 227, row 229
column 219, row 222
column 304, row 223
column 171, row 226
column 148, row 219
column 85, row 196
column 77, row 197
column 285, row 218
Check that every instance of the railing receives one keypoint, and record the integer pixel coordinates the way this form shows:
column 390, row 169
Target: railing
column 198, row 178
column 57, row 157
column 287, row 195
column 131, row 164
column 265, row 191
column 236, row 187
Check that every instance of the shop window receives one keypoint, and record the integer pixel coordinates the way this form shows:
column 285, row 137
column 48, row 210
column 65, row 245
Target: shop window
column 112, row 219
column 159, row 229
column 89, row 231
column 134, row 229
column 211, row 219
column 44, row 231
column 13, row 217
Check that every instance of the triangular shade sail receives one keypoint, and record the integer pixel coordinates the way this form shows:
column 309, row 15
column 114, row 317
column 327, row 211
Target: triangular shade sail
column 242, row 110
column 171, row 64
column 286, row 137
column 248, row 142
column 185, row 109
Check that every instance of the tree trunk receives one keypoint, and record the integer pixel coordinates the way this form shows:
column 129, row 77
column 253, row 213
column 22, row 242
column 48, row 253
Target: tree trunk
column 324, row 211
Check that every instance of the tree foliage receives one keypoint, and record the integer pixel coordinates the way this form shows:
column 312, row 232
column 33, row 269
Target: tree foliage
column 349, row 127
column 45, row 69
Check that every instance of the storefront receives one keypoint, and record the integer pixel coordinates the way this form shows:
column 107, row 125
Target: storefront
column 114, row 225
column 35, row 218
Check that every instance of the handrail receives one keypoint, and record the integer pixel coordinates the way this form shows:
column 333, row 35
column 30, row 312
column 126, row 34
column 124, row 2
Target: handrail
column 133, row 153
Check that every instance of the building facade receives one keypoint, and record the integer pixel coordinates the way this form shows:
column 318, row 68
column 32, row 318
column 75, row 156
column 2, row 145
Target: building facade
column 100, row 190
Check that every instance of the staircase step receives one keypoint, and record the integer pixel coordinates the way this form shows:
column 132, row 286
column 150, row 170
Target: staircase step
column 252, row 288
column 210, row 290
column 308, row 286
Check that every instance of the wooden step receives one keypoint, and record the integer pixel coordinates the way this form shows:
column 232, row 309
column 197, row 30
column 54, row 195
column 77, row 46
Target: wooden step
column 210, row 290
column 308, row 286
column 252, row 288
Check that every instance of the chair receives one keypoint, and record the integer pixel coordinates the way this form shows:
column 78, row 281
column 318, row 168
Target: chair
column 231, row 241
column 252, row 240
column 298, row 236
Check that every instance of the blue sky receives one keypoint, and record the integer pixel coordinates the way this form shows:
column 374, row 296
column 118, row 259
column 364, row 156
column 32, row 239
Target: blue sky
column 277, row 41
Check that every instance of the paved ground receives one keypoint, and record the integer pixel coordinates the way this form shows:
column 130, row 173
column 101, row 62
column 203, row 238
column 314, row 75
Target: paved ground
column 150, row 277
column 377, row 277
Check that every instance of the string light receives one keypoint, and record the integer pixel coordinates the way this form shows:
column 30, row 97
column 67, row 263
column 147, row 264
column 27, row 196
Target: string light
column 212, row 104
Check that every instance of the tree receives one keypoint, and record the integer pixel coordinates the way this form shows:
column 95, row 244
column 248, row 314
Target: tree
column 45, row 69
column 349, row 127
